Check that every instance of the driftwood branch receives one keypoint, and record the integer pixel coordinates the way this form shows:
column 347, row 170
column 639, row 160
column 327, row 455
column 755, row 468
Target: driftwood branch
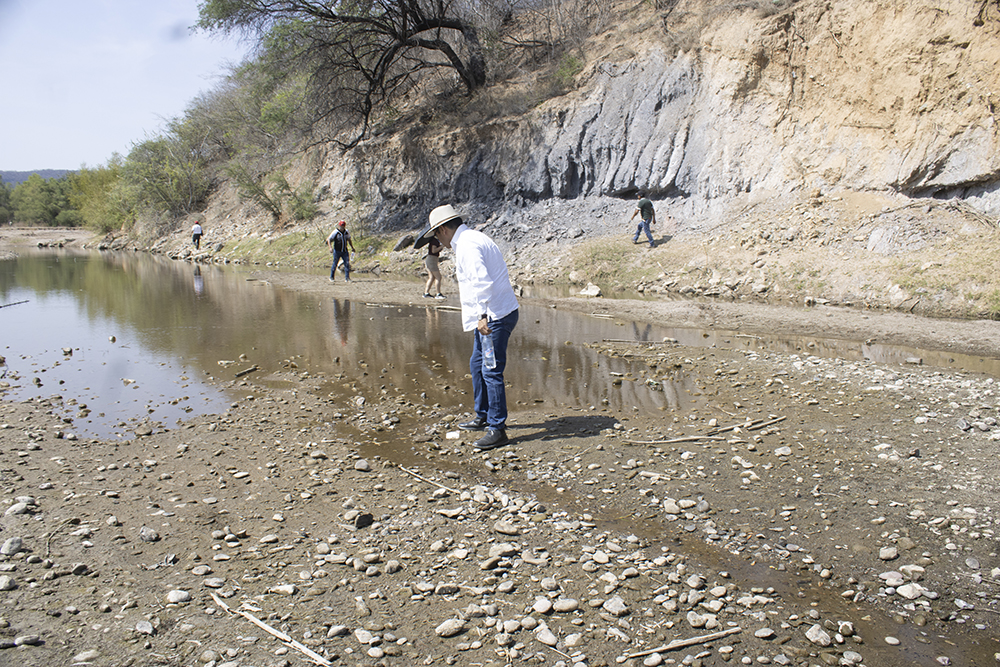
column 16, row 303
column 247, row 371
column 312, row 655
column 754, row 425
column 686, row 438
column 429, row 481
column 682, row 643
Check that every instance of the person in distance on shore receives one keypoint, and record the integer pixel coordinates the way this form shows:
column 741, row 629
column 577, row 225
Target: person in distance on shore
column 196, row 235
column 431, row 261
column 489, row 309
column 338, row 242
column 644, row 208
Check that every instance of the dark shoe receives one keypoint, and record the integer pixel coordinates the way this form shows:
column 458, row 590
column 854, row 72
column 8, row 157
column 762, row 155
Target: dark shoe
column 495, row 437
column 477, row 424
column 427, row 295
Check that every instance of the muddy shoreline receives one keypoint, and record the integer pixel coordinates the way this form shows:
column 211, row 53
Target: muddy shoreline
column 816, row 510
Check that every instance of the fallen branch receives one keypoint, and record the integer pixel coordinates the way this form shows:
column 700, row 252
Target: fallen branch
column 429, row 481
column 686, row 438
column 16, row 303
column 754, row 425
column 757, row 427
column 315, row 657
column 681, row 643
column 247, row 371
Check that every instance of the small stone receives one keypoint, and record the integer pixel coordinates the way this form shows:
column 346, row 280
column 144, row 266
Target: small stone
column 888, row 553
column 817, row 635
column 177, row 596
column 17, row 508
column 506, row 528
column 11, row 546
column 542, row 605
column 564, row 605
column 764, row 633
column 910, row 591
column 852, row 657
column 7, row 583
column 892, row 641
column 653, row 660
column 696, row 620
column 450, row 628
column 147, row 534
column 86, row 656
column 144, row 628
column 616, row 606
column 546, row 636
column 362, row 465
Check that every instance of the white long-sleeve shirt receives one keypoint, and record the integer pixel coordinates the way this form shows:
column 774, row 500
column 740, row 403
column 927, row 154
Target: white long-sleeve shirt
column 483, row 281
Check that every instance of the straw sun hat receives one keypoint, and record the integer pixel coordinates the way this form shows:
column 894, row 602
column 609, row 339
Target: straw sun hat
column 438, row 217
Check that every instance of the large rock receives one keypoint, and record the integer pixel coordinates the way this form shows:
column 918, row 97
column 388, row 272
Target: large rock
column 861, row 97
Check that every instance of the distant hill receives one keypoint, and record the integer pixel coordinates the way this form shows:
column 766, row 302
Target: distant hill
column 12, row 178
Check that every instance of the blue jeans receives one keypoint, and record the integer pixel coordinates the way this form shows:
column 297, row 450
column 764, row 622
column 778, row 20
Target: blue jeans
column 488, row 392
column 337, row 256
column 643, row 227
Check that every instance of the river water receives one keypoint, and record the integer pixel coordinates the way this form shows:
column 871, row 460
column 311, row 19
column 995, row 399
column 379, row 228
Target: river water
column 147, row 338
column 139, row 339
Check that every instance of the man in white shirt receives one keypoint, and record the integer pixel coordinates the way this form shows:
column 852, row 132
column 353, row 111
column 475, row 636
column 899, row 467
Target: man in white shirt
column 489, row 308
column 196, row 235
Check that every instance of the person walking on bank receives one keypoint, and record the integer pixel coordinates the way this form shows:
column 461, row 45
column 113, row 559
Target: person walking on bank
column 196, row 235
column 433, row 268
column 338, row 242
column 648, row 217
column 489, row 309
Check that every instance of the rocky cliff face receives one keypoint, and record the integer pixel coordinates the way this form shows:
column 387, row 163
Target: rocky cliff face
column 888, row 96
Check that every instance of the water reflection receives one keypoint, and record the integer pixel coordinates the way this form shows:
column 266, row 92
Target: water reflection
column 176, row 325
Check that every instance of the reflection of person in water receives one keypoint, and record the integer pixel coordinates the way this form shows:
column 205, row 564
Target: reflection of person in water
column 642, row 334
column 341, row 315
column 199, row 282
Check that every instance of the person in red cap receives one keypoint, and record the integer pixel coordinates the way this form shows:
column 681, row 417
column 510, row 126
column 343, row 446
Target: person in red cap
column 338, row 242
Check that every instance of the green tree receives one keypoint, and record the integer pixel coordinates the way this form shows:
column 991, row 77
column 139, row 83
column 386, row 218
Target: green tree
column 360, row 57
column 96, row 195
column 168, row 175
column 5, row 208
column 41, row 201
column 34, row 202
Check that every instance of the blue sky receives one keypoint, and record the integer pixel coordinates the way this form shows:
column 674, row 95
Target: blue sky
column 83, row 79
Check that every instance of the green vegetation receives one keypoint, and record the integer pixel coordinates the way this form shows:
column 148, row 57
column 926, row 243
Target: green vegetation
column 318, row 75
column 39, row 201
column 5, row 207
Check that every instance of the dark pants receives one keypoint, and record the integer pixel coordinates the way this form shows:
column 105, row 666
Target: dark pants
column 488, row 392
column 337, row 257
column 196, row 240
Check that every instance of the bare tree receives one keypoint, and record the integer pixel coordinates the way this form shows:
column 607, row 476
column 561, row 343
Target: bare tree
column 361, row 55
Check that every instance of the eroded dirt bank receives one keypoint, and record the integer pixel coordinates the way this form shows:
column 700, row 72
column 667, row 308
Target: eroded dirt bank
column 816, row 510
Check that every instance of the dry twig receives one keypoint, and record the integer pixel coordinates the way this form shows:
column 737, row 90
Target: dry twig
column 312, row 655
column 681, row 643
